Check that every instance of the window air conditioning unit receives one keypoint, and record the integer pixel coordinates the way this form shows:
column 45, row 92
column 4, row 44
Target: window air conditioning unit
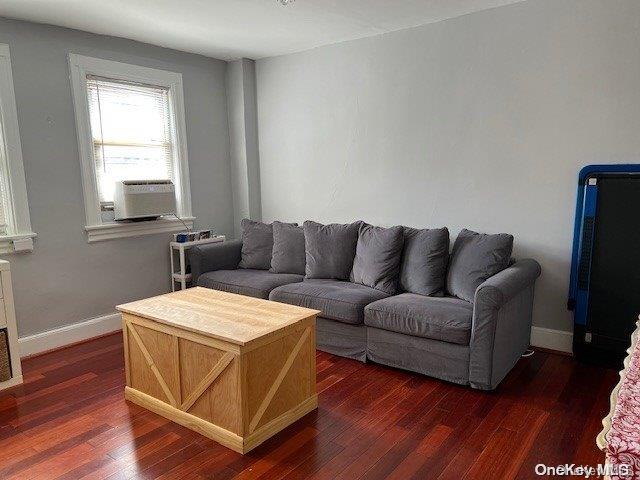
column 144, row 199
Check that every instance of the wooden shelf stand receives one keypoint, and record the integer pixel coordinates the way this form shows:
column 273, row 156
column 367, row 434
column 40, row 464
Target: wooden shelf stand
column 179, row 249
column 9, row 326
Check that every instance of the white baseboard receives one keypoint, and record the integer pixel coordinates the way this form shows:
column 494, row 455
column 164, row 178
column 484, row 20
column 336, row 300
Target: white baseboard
column 552, row 339
column 559, row 340
column 59, row 337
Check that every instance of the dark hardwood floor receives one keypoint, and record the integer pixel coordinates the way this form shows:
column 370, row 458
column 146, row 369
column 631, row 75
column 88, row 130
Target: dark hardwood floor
column 69, row 420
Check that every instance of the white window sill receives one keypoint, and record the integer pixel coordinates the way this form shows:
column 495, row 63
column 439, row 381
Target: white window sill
column 25, row 243
column 109, row 231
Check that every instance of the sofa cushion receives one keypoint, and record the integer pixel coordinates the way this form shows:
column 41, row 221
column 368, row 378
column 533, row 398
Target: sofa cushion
column 257, row 245
column 288, row 249
column 476, row 257
column 423, row 269
column 447, row 319
column 253, row 283
column 377, row 260
column 338, row 300
column 330, row 249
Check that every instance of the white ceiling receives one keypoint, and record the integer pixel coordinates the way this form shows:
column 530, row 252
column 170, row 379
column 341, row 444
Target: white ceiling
column 230, row 29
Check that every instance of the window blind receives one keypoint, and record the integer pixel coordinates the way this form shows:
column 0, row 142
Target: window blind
column 131, row 126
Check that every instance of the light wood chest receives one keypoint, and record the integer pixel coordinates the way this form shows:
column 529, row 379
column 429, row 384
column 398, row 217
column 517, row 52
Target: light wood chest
column 233, row 368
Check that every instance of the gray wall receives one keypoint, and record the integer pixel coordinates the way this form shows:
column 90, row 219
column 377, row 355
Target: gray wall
column 66, row 280
column 482, row 121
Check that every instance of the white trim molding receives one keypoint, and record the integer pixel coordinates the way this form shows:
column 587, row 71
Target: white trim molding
column 17, row 243
column 19, row 235
column 109, row 231
column 81, row 66
column 558, row 340
column 60, row 337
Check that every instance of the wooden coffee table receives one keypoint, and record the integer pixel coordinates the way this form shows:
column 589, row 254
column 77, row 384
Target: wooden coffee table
column 236, row 369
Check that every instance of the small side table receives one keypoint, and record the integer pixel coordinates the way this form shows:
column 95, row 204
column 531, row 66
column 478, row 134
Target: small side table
column 181, row 276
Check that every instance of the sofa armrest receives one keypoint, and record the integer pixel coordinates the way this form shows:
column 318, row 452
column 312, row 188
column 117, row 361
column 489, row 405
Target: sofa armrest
column 501, row 330
column 214, row 256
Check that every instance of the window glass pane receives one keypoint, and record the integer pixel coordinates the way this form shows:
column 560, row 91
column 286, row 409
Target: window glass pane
column 132, row 133
column 130, row 163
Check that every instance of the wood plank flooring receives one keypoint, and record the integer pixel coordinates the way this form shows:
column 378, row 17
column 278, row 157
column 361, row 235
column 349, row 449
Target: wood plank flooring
column 69, row 420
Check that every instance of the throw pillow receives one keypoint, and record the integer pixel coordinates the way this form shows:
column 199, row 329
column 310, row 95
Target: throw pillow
column 476, row 257
column 257, row 245
column 330, row 249
column 288, row 249
column 424, row 260
column 377, row 260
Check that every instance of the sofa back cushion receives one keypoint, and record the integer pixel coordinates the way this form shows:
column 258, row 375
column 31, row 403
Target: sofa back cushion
column 330, row 249
column 257, row 245
column 377, row 260
column 424, row 261
column 476, row 257
column 288, row 249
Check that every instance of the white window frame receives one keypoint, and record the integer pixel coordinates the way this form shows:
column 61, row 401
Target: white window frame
column 96, row 229
column 14, row 179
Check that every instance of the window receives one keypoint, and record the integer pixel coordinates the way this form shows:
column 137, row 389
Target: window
column 15, row 225
column 132, row 133
column 130, row 123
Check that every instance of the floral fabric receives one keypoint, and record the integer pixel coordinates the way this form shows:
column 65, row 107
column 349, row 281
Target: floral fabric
column 623, row 438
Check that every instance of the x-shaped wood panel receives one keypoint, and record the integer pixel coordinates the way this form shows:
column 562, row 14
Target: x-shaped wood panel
column 278, row 381
column 202, row 387
column 207, row 381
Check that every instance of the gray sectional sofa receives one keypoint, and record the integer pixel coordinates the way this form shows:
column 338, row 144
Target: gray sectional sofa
column 395, row 296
